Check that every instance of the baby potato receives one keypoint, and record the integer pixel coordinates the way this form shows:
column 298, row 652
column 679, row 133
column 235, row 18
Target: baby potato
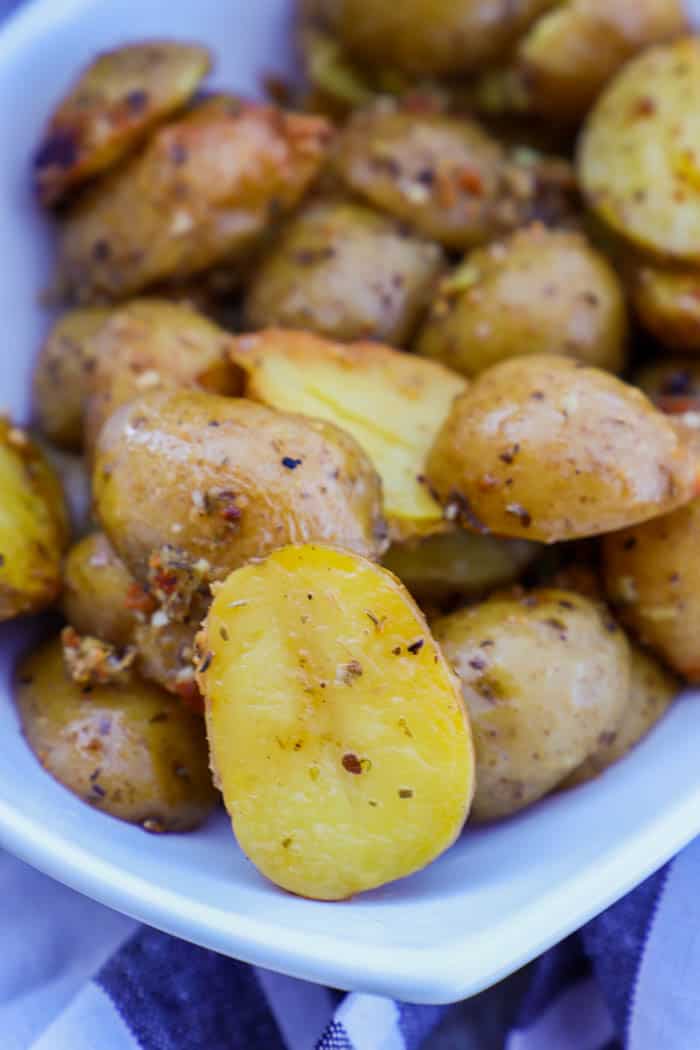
column 335, row 726
column 224, row 480
column 456, row 562
column 673, row 384
column 203, row 191
column 100, row 596
column 148, row 345
column 538, row 291
column 652, row 579
column 112, row 106
column 345, row 271
column 668, row 305
column 542, row 677
column 392, row 403
column 433, row 37
column 638, row 160
column 544, row 448
column 62, row 373
column 33, row 525
column 652, row 689
column 165, row 653
column 129, row 750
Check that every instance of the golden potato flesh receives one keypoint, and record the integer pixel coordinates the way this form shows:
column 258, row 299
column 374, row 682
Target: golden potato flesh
column 336, row 729
column 345, row 271
column 113, row 105
column 148, row 345
column 62, row 374
column 100, row 596
column 33, row 525
column 224, row 480
column 668, row 305
column 203, row 191
column 538, row 291
column 639, row 164
column 652, row 579
column 652, row 689
column 129, row 750
column 392, row 403
column 456, row 562
column 542, row 677
column 543, row 448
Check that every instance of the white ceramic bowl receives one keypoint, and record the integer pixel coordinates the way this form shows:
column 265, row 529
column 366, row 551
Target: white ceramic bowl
column 499, row 896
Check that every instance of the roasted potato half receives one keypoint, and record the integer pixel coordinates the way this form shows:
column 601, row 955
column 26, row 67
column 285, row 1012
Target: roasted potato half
column 224, row 480
column 33, row 525
column 537, row 291
column 345, row 271
column 112, row 106
column 544, row 448
column 392, row 403
column 638, row 162
column 203, row 191
column 667, row 303
column 129, row 750
column 542, row 675
column 336, row 728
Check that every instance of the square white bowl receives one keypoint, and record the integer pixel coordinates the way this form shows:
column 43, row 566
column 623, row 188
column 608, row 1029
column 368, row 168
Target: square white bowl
column 500, row 895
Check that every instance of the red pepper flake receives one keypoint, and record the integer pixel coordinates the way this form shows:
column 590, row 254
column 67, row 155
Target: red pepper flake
column 139, row 600
column 470, row 179
column 190, row 695
column 351, row 763
column 644, row 107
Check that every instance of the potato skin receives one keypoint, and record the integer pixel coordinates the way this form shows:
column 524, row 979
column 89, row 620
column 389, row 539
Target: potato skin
column 203, row 191
column 130, row 750
column 542, row 677
column 537, row 291
column 227, row 480
column 652, row 579
column 62, row 372
column 652, row 689
column 345, row 271
column 636, row 160
column 33, row 525
column 667, row 303
column 544, row 448
column 152, row 344
column 100, row 596
column 112, row 106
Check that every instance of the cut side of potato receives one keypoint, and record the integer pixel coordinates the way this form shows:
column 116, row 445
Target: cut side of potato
column 336, row 728
column 392, row 403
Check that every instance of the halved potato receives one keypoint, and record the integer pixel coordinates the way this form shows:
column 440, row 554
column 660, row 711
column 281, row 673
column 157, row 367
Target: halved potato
column 336, row 728
column 392, row 403
column 668, row 304
column 113, row 105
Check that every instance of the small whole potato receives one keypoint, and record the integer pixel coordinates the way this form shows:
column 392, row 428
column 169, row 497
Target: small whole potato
column 542, row 676
column 148, row 345
column 652, row 689
column 33, row 525
column 652, row 579
column 129, row 750
column 544, row 448
column 538, row 291
column 225, row 480
column 62, row 374
column 345, row 271
column 165, row 654
column 668, row 305
column 100, row 596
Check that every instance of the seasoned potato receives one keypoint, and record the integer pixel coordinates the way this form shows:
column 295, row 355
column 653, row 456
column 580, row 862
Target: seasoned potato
column 668, row 305
column 546, row 449
column 151, row 344
column 447, row 564
column 345, row 271
column 433, row 37
column 652, row 578
column 33, row 525
column 672, row 384
column 538, row 291
column 203, row 191
column 100, row 596
column 336, row 728
column 542, row 677
column 651, row 691
column 638, row 158
column 225, row 480
column 392, row 403
column 62, row 374
column 129, row 750
column 165, row 653
column 112, row 106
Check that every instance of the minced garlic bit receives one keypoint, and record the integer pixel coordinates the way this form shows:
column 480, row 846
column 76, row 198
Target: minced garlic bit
column 91, row 662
